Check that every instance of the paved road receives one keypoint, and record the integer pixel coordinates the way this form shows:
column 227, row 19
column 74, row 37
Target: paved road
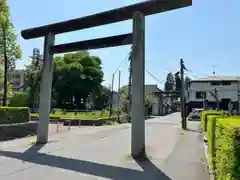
column 103, row 153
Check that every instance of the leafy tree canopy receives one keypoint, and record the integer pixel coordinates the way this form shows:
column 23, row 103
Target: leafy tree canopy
column 8, row 37
column 169, row 84
column 77, row 77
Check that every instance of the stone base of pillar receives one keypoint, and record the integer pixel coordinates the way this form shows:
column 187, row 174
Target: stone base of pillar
column 42, row 141
column 140, row 155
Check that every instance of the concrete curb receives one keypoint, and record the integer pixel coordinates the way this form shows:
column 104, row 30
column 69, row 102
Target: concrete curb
column 208, row 160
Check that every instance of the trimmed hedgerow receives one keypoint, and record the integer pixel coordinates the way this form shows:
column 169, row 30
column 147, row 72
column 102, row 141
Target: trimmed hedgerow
column 224, row 147
column 205, row 114
column 10, row 115
column 211, row 127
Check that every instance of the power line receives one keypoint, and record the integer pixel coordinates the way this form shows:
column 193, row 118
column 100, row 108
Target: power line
column 198, row 75
column 195, row 76
column 120, row 64
column 161, row 82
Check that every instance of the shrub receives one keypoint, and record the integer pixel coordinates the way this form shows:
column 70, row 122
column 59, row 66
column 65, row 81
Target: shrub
column 19, row 99
column 224, row 147
column 211, row 128
column 10, row 115
column 205, row 114
column 116, row 111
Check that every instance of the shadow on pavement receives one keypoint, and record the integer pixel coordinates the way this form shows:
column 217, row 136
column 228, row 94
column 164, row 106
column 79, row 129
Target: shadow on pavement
column 150, row 171
column 197, row 129
column 192, row 130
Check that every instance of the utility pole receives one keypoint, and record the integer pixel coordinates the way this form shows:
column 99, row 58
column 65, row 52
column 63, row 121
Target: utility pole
column 182, row 95
column 111, row 98
column 119, row 91
column 130, row 87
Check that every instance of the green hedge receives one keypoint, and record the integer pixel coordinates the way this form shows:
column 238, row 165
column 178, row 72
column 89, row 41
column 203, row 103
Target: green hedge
column 224, row 147
column 211, row 128
column 10, row 115
column 205, row 114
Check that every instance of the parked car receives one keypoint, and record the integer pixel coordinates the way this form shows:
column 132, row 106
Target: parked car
column 195, row 114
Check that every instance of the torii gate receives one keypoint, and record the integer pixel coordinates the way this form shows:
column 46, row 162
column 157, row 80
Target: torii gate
column 137, row 12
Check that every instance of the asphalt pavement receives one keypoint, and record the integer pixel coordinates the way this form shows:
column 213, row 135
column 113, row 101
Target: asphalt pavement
column 104, row 153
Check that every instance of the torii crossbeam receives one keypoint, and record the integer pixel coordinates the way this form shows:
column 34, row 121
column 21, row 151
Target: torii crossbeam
column 137, row 12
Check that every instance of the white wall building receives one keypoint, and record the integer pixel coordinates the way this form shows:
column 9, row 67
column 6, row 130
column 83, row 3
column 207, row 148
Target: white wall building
column 155, row 103
column 226, row 87
column 17, row 79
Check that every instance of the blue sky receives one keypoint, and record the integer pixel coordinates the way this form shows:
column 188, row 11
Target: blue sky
column 204, row 35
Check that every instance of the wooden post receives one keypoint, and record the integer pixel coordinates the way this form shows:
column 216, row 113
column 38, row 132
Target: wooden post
column 138, row 77
column 45, row 90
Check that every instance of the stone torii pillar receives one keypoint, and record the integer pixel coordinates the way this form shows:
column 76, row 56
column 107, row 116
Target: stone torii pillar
column 45, row 90
column 138, row 77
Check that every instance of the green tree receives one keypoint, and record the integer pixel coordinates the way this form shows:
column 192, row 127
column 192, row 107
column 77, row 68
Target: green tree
column 33, row 74
column 169, row 84
column 9, row 89
column 9, row 49
column 124, row 101
column 19, row 99
column 76, row 75
column 101, row 97
column 187, row 80
column 178, row 84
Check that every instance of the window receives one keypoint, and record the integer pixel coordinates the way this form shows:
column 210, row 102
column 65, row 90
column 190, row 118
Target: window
column 226, row 83
column 16, row 84
column 223, row 83
column 201, row 95
column 17, row 76
column 215, row 83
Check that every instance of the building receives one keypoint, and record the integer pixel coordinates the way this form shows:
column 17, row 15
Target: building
column 17, row 79
column 155, row 103
column 214, row 92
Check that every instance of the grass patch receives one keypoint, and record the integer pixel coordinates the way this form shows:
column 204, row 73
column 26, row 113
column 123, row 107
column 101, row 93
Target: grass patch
column 75, row 115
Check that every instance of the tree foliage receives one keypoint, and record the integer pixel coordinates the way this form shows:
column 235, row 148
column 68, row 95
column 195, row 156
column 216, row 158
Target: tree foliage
column 8, row 84
column 77, row 77
column 187, row 80
column 33, row 74
column 19, row 99
column 169, row 84
column 100, row 97
column 8, row 37
column 178, row 84
column 9, row 50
